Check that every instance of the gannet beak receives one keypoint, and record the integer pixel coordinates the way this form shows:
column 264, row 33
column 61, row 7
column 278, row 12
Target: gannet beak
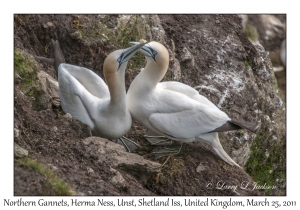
column 129, row 52
column 134, row 43
column 146, row 50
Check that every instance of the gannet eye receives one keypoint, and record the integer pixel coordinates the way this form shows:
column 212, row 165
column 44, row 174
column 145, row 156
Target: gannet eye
column 120, row 58
column 154, row 52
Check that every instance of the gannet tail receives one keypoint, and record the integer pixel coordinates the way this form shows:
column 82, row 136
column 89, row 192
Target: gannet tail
column 221, row 152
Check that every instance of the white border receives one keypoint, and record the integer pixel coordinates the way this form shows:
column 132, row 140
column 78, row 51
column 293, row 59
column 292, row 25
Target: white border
column 8, row 8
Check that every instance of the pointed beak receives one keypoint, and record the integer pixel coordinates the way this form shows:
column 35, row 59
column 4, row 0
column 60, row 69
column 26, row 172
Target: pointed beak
column 129, row 52
column 134, row 43
column 146, row 50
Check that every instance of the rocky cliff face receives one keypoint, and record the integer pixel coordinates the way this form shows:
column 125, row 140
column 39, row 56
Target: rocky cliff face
column 211, row 53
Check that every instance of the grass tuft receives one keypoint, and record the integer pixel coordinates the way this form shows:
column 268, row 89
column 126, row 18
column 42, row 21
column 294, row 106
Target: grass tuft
column 54, row 184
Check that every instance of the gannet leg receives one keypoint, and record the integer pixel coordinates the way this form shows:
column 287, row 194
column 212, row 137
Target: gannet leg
column 127, row 143
column 174, row 150
column 156, row 139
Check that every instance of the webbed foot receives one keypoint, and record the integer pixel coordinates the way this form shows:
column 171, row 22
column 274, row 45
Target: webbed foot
column 129, row 145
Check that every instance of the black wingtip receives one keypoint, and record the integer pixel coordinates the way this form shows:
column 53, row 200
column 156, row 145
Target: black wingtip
column 236, row 125
column 46, row 60
column 251, row 126
column 58, row 55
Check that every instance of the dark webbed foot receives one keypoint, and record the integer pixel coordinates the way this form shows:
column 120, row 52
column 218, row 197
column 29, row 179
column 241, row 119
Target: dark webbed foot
column 167, row 151
column 156, row 139
column 129, row 145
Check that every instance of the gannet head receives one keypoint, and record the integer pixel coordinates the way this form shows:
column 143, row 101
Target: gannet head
column 155, row 52
column 118, row 59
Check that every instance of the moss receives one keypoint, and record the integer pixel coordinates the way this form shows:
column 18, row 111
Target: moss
column 267, row 168
column 274, row 79
column 171, row 167
column 247, row 65
column 132, row 30
column 137, row 61
column 25, row 68
column 54, row 184
column 251, row 32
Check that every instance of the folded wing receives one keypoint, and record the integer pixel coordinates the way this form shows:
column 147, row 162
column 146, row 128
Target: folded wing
column 189, row 123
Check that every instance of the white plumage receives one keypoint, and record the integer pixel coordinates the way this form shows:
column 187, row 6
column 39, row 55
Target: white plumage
column 87, row 98
column 174, row 109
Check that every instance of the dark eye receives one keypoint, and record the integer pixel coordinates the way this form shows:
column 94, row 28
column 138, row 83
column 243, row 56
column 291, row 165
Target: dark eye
column 154, row 52
column 120, row 58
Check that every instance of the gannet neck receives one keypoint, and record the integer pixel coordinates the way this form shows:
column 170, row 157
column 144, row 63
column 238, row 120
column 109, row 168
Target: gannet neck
column 153, row 73
column 116, row 86
column 114, row 71
column 157, row 63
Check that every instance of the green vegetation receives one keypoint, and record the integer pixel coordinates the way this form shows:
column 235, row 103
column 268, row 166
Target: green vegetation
column 266, row 164
column 54, row 184
column 247, row 65
column 251, row 32
column 133, row 29
column 25, row 70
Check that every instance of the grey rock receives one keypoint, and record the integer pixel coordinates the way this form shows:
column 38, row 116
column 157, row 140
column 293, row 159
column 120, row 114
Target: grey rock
column 117, row 180
column 49, row 88
column 16, row 133
column 200, row 168
column 76, row 35
column 90, row 170
column 116, row 156
column 19, row 151
column 68, row 116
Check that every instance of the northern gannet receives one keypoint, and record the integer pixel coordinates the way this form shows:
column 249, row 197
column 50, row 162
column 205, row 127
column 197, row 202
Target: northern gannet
column 175, row 110
column 87, row 98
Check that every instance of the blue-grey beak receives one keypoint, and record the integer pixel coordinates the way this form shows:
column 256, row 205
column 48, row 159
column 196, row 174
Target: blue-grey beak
column 147, row 50
column 129, row 52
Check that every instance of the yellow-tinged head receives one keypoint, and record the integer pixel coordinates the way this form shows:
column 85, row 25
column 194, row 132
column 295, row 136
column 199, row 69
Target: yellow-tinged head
column 118, row 59
column 155, row 52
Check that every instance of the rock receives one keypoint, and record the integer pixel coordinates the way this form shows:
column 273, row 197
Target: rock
column 90, row 170
column 16, row 133
column 200, row 168
column 209, row 52
column 283, row 52
column 68, row 116
column 117, row 180
column 49, row 88
column 19, row 151
column 242, row 154
column 53, row 167
column 116, row 156
column 48, row 24
column 76, row 35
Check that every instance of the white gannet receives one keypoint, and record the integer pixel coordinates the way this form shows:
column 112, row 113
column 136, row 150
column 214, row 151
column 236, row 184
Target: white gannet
column 175, row 110
column 87, row 98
